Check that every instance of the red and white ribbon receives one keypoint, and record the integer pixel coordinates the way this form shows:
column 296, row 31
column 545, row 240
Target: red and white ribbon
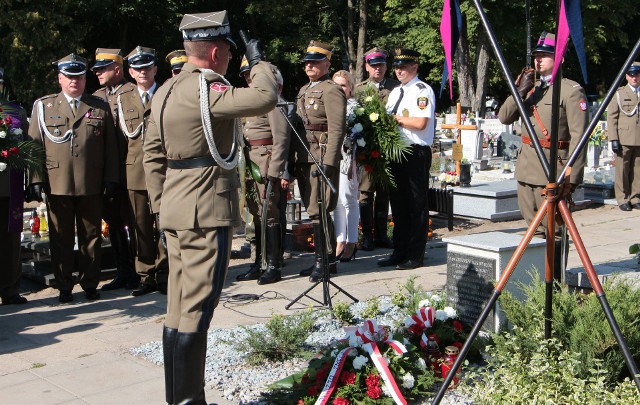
column 422, row 319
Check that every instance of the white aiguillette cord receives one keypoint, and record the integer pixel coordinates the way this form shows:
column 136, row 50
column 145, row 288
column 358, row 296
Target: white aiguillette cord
column 231, row 160
column 123, row 123
column 628, row 114
column 43, row 128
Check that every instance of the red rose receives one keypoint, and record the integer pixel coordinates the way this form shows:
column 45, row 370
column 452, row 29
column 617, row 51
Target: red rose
column 374, row 392
column 14, row 151
column 340, row 401
column 347, row 377
column 372, row 380
column 7, row 120
column 457, row 325
column 368, row 168
column 375, row 154
column 4, row 153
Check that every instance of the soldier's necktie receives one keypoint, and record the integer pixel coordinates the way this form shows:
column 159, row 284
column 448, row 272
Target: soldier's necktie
column 74, row 107
column 145, row 99
column 395, row 107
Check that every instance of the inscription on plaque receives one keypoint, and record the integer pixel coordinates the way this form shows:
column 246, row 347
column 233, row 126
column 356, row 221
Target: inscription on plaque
column 470, row 281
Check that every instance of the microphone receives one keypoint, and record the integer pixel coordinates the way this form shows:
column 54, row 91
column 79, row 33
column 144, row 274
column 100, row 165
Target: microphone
column 285, row 104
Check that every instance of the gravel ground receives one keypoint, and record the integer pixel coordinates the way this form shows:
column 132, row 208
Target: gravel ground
column 227, row 369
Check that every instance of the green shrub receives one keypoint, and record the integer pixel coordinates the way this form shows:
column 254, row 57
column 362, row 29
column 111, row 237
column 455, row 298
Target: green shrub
column 342, row 312
column 578, row 323
column 373, row 308
column 284, row 338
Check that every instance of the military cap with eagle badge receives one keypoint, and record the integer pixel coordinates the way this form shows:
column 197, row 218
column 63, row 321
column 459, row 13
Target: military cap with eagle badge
column 206, row 27
column 71, row 65
column 141, row 57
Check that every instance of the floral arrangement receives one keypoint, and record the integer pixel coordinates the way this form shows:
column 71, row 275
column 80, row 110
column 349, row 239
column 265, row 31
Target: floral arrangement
column 491, row 137
column 14, row 152
column 448, row 178
column 373, row 134
column 598, row 136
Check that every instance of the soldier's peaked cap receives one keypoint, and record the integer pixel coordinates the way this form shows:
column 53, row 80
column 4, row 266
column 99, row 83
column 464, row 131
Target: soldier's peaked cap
column 546, row 43
column 105, row 57
column 141, row 57
column 206, row 27
column 375, row 56
column 318, row 51
column 403, row 56
column 177, row 59
column 634, row 68
column 72, row 65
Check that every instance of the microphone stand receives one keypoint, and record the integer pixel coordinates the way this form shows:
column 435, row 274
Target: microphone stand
column 321, row 177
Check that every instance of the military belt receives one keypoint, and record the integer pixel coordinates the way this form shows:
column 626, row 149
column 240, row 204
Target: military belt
column 545, row 143
column 317, row 127
column 191, row 163
column 260, row 142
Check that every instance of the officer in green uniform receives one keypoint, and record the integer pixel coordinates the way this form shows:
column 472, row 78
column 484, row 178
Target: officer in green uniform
column 77, row 133
column 110, row 73
column 268, row 137
column 191, row 151
column 574, row 118
column 374, row 201
column 134, row 107
column 322, row 106
column 177, row 59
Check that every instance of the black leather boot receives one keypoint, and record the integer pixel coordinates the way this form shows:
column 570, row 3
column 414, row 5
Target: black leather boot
column 366, row 219
column 381, row 237
column 168, row 345
column 255, row 269
column 273, row 274
column 126, row 277
column 189, row 357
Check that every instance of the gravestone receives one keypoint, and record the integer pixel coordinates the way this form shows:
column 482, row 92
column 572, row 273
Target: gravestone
column 510, row 144
column 471, row 144
column 475, row 263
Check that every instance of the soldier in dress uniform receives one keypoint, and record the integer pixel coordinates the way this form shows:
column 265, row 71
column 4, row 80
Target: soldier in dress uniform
column 413, row 105
column 322, row 106
column 109, row 70
column 623, row 122
column 574, row 118
column 11, row 201
column 77, row 133
column 134, row 107
column 191, row 153
column 268, row 137
column 177, row 59
column 374, row 201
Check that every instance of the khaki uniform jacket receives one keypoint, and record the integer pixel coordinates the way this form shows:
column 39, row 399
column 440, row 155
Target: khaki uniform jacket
column 621, row 126
column 322, row 104
column 201, row 197
column 272, row 159
column 83, row 164
column 110, row 95
column 573, row 120
column 135, row 118
column 384, row 87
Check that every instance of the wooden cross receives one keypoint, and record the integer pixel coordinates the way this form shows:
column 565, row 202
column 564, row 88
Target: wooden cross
column 458, row 127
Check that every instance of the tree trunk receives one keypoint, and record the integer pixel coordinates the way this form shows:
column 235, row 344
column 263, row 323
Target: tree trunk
column 351, row 51
column 482, row 73
column 362, row 40
column 465, row 74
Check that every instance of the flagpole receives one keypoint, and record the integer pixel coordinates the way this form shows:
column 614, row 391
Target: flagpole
column 527, row 14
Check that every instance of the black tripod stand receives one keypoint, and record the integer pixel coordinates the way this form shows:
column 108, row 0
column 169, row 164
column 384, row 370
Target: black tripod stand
column 325, row 235
column 553, row 204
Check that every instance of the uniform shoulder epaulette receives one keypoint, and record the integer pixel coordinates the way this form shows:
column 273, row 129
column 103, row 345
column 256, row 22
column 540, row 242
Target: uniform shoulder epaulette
column 365, row 83
column 48, row 96
column 421, row 86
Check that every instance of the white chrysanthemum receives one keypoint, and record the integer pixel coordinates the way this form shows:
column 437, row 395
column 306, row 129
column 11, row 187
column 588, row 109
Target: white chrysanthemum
column 424, row 304
column 16, row 131
column 334, row 352
column 421, row 364
column 357, row 128
column 408, row 381
column 441, row 315
column 361, row 142
column 374, row 117
column 436, row 298
column 354, row 341
column 3, row 134
column 442, row 177
column 451, row 313
column 359, row 362
column 385, row 390
column 368, row 99
column 3, row 166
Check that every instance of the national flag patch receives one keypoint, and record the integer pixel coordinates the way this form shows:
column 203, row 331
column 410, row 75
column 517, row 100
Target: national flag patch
column 583, row 105
column 219, row 87
column 423, row 102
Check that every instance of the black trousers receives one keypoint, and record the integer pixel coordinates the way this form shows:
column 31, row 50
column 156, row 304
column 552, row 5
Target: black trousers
column 409, row 205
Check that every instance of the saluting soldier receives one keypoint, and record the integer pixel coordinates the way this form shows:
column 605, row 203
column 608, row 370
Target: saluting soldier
column 191, row 150
column 623, row 122
column 77, row 133
column 268, row 137
column 322, row 106
column 134, row 107
column 109, row 70
column 374, row 201
column 177, row 59
column 574, row 118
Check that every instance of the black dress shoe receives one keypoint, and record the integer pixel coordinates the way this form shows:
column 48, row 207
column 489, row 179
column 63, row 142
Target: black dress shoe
column 144, row 289
column 625, row 207
column 132, row 284
column 252, row 274
column 409, row 264
column 162, row 288
column 115, row 284
column 91, row 294
column 307, row 272
column 65, row 296
column 636, row 206
column 391, row 261
column 384, row 242
column 14, row 300
column 270, row 276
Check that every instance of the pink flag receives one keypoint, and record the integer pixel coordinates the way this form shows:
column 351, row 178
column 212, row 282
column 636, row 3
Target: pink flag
column 562, row 39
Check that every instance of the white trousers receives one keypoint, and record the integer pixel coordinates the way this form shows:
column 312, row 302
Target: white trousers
column 346, row 216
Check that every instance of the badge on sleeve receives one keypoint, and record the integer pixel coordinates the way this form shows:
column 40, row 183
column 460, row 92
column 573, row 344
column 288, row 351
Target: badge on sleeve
column 423, row 102
column 583, row 105
column 219, row 87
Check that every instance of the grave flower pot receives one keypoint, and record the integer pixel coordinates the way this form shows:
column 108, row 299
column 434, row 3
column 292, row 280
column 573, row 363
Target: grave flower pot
column 465, row 174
